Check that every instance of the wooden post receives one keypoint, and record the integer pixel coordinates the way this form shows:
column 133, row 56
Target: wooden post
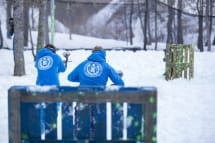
column 191, row 66
column 186, row 50
column 150, row 123
column 14, row 126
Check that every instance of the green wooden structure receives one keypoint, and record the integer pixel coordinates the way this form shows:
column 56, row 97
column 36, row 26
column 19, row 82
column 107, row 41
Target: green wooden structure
column 24, row 124
column 179, row 60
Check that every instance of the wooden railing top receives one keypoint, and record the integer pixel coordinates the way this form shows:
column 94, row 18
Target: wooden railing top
column 82, row 94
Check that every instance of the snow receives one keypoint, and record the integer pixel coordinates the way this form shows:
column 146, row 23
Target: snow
column 41, row 88
column 101, row 18
column 185, row 107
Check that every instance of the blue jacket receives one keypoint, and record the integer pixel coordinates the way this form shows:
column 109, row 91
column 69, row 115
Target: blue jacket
column 95, row 71
column 48, row 65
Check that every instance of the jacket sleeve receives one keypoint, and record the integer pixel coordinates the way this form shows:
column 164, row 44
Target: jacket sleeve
column 115, row 78
column 62, row 66
column 74, row 75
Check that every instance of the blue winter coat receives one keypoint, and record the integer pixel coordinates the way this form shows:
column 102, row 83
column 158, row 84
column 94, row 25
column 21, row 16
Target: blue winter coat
column 95, row 71
column 48, row 65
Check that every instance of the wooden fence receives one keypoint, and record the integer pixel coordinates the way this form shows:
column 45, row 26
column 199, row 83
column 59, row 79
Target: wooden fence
column 179, row 60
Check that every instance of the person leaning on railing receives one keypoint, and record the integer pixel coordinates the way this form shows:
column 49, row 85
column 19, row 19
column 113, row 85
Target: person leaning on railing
column 95, row 71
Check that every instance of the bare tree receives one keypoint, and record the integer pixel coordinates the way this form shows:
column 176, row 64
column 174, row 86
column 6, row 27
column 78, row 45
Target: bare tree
column 179, row 21
column 32, row 43
column 156, row 34
column 41, row 24
column 30, row 28
column 125, row 22
column 140, row 10
column 9, row 16
column 211, row 19
column 200, row 30
column 19, row 63
column 148, row 6
column 131, row 34
column 1, row 37
column 207, row 23
column 170, row 22
column 69, row 14
column 46, row 22
column 26, row 23
column 145, row 25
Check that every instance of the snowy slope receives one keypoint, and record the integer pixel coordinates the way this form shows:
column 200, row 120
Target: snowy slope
column 104, row 15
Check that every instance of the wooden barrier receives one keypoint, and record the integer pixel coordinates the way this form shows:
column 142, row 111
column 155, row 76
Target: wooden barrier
column 132, row 114
column 179, row 60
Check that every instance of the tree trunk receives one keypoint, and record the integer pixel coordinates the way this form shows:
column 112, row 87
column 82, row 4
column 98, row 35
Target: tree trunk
column 125, row 23
column 156, row 26
column 26, row 23
column 179, row 21
column 149, row 40
column 130, row 22
column 19, row 63
column 145, row 25
column 200, row 30
column 33, row 22
column 208, row 24
column 41, row 25
column 140, row 10
column 9, row 15
column 200, row 34
column 46, row 23
column 170, row 22
column 1, row 37
column 32, row 43
column 214, row 40
column 210, row 17
column 69, row 14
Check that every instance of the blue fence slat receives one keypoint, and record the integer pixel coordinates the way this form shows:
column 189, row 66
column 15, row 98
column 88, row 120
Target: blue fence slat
column 117, row 120
column 51, row 120
column 99, row 121
column 134, row 117
column 82, row 121
column 30, row 123
column 67, row 121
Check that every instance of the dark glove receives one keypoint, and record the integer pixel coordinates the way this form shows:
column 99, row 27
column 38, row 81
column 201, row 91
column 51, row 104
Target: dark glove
column 66, row 55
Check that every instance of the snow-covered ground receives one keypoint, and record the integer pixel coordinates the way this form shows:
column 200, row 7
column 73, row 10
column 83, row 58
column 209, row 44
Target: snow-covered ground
column 185, row 107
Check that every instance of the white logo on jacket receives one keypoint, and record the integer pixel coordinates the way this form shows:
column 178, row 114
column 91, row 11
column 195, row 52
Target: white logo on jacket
column 93, row 69
column 45, row 63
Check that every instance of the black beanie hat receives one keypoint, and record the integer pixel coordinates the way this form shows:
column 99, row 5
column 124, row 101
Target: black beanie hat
column 97, row 48
column 51, row 47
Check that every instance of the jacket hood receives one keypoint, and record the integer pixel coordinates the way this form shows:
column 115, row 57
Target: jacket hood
column 43, row 52
column 98, row 56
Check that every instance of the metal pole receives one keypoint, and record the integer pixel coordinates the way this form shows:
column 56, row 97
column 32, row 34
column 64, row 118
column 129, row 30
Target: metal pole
column 52, row 20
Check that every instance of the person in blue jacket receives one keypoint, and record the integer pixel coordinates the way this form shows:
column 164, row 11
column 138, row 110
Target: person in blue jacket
column 48, row 65
column 95, row 71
